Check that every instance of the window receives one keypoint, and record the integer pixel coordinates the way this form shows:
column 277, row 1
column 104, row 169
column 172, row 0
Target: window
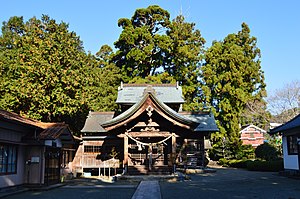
column 92, row 149
column 8, row 159
column 292, row 145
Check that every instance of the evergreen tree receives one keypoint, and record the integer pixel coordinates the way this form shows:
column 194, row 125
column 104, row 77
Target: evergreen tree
column 142, row 42
column 184, row 58
column 44, row 71
column 151, row 44
column 232, row 76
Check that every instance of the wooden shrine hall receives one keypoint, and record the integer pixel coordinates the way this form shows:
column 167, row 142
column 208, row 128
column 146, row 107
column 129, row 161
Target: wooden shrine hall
column 150, row 134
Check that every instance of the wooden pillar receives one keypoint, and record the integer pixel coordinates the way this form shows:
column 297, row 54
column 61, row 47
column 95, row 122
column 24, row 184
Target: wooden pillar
column 203, row 151
column 125, row 161
column 173, row 154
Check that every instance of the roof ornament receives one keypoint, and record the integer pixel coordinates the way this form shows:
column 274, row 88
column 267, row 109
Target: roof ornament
column 149, row 109
column 149, row 89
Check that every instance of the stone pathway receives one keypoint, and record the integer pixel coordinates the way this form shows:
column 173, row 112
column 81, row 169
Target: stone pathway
column 147, row 190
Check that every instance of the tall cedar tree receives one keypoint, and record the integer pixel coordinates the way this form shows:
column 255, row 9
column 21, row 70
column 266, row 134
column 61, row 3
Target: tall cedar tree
column 107, row 78
column 232, row 76
column 151, row 44
column 45, row 73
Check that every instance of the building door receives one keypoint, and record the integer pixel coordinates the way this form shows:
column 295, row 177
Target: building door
column 52, row 165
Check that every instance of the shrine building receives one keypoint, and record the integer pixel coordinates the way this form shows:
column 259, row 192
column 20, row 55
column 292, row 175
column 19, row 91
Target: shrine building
column 149, row 134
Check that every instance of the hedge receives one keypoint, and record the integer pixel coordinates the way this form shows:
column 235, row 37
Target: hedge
column 254, row 165
column 261, row 165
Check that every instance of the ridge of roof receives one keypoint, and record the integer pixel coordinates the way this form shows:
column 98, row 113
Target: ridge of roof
column 21, row 119
column 126, row 114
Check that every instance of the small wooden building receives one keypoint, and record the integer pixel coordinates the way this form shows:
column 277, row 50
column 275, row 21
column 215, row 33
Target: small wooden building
column 148, row 135
column 252, row 135
column 32, row 152
column 290, row 143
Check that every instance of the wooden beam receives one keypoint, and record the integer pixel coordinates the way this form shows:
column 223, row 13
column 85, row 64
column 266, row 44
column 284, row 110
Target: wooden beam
column 150, row 134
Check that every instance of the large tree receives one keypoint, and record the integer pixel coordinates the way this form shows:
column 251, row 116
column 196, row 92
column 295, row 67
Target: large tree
column 232, row 76
column 142, row 42
column 151, row 43
column 44, row 71
column 107, row 78
column 184, row 58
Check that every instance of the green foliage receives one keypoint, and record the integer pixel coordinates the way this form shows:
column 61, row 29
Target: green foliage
column 246, row 152
column 221, row 150
column 162, row 78
column 234, row 163
column 261, row 165
column 46, row 75
column 151, row 44
column 231, row 77
column 267, row 151
column 142, row 42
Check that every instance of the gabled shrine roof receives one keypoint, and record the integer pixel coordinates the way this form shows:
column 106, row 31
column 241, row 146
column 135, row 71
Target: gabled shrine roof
column 147, row 96
column 293, row 123
column 133, row 93
column 133, row 109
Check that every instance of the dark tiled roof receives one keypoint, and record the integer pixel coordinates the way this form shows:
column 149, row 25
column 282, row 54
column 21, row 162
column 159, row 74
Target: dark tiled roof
column 206, row 121
column 10, row 116
column 55, row 131
column 293, row 123
column 126, row 114
column 133, row 93
column 94, row 121
column 48, row 130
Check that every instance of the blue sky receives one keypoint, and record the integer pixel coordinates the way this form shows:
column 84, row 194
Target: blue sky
column 276, row 25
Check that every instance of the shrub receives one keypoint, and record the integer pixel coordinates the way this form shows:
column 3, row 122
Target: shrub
column 262, row 165
column 239, row 163
column 245, row 151
column 233, row 163
column 267, row 151
column 223, row 162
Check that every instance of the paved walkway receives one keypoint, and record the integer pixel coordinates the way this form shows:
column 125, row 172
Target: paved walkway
column 147, row 190
column 225, row 183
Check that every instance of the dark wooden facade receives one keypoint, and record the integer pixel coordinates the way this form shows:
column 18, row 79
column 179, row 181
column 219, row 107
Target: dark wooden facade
column 32, row 152
column 149, row 136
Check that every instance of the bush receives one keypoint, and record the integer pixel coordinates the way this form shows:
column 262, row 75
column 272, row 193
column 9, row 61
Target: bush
column 238, row 163
column 261, row 165
column 233, row 163
column 267, row 152
column 245, row 152
column 223, row 162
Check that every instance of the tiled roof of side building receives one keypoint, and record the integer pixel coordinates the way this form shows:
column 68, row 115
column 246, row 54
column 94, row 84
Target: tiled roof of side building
column 26, row 121
column 133, row 93
column 94, row 121
column 48, row 130
column 293, row 123
column 206, row 121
